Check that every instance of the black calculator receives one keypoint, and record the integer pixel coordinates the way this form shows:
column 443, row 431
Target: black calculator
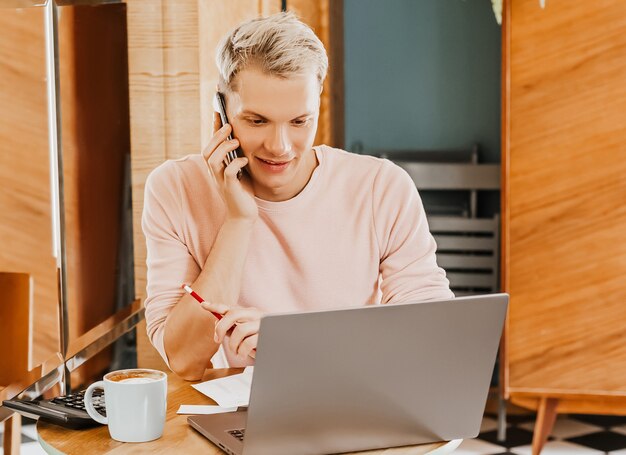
column 67, row 411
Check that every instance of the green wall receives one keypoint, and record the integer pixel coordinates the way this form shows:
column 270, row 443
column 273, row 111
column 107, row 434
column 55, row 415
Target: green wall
column 422, row 74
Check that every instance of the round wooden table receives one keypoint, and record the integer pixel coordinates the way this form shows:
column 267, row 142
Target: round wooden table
column 178, row 436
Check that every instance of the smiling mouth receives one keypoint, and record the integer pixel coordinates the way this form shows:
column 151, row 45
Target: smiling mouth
column 274, row 163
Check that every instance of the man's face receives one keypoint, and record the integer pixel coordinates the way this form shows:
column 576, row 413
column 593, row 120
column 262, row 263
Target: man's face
column 275, row 120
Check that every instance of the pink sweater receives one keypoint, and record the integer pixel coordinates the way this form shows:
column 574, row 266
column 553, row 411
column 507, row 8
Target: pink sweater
column 355, row 235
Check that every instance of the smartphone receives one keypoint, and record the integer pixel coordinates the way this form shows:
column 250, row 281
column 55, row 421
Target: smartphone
column 221, row 109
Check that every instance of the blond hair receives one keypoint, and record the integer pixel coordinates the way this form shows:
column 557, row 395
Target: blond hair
column 279, row 45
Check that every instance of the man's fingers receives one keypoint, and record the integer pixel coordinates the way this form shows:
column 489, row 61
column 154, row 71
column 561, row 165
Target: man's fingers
column 216, row 140
column 221, row 328
column 242, row 332
column 234, row 167
column 216, row 160
column 230, row 320
column 217, row 122
column 215, row 307
column 248, row 346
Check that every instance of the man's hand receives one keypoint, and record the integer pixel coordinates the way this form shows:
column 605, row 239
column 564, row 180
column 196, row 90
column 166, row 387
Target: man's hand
column 236, row 193
column 244, row 323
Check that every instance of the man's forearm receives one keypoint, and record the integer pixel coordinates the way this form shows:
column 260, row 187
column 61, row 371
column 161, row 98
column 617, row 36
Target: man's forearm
column 188, row 336
column 188, row 339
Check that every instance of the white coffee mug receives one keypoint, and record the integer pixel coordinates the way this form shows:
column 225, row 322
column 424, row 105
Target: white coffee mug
column 135, row 402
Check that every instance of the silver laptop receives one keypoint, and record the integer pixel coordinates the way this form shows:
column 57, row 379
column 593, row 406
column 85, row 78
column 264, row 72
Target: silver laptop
column 366, row 378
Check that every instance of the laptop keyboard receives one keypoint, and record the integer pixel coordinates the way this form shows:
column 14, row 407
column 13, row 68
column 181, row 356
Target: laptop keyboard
column 239, row 434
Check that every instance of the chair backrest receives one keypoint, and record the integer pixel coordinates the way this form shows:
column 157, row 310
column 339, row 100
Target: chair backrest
column 468, row 250
column 450, row 170
column 16, row 335
column 454, row 177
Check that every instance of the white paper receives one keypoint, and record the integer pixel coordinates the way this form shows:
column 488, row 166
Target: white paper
column 203, row 409
column 231, row 391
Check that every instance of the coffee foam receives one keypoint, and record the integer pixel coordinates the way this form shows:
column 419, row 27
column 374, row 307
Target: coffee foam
column 136, row 380
column 134, row 377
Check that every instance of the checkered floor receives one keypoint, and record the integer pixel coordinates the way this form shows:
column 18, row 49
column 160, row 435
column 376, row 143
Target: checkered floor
column 572, row 435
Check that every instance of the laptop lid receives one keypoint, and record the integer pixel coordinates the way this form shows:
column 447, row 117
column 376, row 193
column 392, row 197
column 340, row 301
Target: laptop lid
column 373, row 377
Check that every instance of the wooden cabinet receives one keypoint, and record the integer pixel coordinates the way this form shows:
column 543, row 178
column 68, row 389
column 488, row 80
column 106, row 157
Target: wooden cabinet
column 95, row 139
column 564, row 206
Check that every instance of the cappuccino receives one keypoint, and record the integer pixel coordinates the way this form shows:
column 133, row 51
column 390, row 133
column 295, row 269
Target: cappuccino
column 134, row 376
column 136, row 380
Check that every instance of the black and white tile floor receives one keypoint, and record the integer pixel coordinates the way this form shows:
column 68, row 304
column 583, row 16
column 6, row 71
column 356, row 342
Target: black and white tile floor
column 572, row 435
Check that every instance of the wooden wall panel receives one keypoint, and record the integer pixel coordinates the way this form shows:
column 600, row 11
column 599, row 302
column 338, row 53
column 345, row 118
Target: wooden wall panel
column 565, row 212
column 335, row 91
column 315, row 15
column 25, row 207
column 147, row 112
column 181, row 78
column 148, row 145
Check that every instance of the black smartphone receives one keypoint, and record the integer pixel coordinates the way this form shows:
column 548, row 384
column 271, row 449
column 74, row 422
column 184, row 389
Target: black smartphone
column 221, row 109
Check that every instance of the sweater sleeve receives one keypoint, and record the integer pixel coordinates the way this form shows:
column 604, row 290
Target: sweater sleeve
column 408, row 266
column 169, row 262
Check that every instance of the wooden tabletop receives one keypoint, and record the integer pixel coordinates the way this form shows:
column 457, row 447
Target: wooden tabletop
column 178, row 436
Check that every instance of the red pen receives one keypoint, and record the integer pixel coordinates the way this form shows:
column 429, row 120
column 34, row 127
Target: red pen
column 195, row 295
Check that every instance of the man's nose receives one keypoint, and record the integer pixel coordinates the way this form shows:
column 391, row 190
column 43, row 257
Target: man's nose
column 278, row 143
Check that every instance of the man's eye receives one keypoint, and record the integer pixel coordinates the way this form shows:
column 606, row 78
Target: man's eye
column 300, row 122
column 256, row 121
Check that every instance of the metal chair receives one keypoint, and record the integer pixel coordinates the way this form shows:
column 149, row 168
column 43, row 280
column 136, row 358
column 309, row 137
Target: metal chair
column 467, row 246
column 468, row 250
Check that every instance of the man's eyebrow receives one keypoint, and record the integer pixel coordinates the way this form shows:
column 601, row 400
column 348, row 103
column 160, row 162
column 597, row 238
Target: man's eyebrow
column 256, row 114
column 248, row 112
column 306, row 114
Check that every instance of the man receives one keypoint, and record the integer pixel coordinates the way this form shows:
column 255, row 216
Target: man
column 304, row 228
